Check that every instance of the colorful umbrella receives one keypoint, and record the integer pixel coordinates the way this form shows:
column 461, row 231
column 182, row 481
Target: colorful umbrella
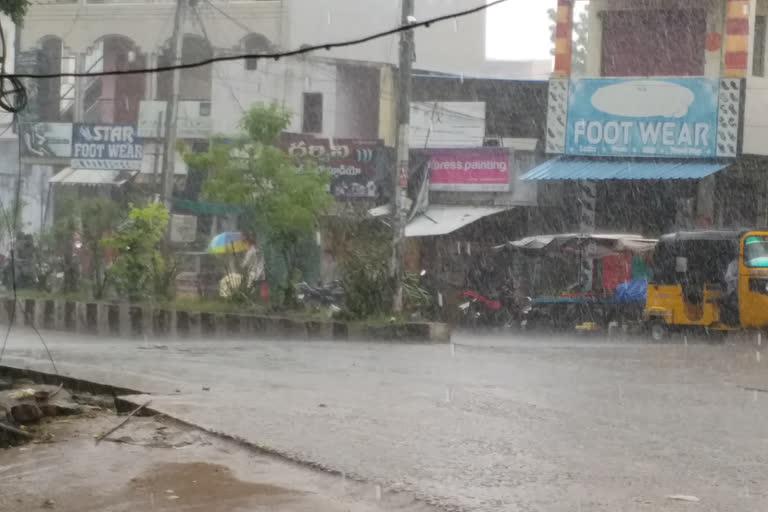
column 228, row 243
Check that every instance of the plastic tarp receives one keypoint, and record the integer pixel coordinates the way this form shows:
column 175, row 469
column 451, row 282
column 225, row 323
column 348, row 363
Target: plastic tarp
column 632, row 291
column 605, row 242
column 441, row 219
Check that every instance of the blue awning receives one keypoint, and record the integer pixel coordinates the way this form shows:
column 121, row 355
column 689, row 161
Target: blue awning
column 565, row 168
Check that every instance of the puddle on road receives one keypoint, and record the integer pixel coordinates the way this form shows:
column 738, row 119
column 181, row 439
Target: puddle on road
column 201, row 486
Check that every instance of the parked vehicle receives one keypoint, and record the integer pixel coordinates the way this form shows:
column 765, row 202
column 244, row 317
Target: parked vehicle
column 713, row 281
column 481, row 311
column 329, row 296
column 584, row 282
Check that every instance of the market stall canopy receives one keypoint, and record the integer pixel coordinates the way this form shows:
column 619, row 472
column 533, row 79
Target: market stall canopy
column 572, row 168
column 442, row 219
column 93, row 177
column 613, row 242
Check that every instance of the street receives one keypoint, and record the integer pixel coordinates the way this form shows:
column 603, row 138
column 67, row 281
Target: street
column 490, row 423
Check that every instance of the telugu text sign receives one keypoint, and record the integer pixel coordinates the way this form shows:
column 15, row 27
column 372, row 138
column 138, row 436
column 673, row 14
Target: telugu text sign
column 105, row 146
column 350, row 162
column 469, row 170
column 667, row 117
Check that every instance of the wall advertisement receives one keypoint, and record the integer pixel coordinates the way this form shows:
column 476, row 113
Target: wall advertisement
column 46, row 140
column 658, row 117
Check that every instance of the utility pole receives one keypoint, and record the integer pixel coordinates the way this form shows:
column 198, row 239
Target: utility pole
column 172, row 108
column 399, row 196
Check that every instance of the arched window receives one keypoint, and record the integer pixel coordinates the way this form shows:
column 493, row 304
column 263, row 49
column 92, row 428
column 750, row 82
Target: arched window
column 120, row 95
column 255, row 43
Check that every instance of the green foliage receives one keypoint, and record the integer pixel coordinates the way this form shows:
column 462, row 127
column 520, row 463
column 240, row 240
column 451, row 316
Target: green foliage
column 91, row 219
column 362, row 250
column 580, row 40
column 15, row 9
column 416, row 299
column 264, row 124
column 282, row 201
column 367, row 285
column 140, row 271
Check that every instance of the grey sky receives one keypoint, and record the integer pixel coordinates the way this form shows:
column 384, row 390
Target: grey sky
column 519, row 29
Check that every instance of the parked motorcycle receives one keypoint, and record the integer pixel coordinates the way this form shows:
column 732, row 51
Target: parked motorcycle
column 328, row 296
column 480, row 311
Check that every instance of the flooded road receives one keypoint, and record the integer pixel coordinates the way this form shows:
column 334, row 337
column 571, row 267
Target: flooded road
column 556, row 424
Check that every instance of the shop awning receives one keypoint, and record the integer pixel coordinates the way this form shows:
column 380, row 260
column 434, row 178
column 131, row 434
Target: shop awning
column 569, row 168
column 93, row 177
column 442, row 219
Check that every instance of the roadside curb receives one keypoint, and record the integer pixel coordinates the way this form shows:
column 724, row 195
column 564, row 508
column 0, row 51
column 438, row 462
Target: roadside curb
column 135, row 321
column 125, row 397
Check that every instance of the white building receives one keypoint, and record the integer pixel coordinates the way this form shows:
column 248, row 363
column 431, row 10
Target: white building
column 323, row 93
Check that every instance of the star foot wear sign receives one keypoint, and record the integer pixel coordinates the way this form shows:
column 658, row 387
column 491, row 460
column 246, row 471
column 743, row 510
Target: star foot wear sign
column 106, row 146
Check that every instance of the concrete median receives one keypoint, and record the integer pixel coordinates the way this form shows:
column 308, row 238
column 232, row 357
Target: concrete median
column 132, row 321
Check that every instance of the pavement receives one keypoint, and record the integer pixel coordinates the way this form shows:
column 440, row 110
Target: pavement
column 155, row 464
column 488, row 423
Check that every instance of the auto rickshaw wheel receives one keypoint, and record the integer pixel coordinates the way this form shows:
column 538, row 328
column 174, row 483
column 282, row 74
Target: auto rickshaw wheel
column 658, row 330
column 717, row 335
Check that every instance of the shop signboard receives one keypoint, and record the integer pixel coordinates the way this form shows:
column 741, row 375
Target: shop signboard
column 44, row 141
column 183, row 228
column 352, row 163
column 106, row 146
column 469, row 170
column 645, row 117
column 192, row 122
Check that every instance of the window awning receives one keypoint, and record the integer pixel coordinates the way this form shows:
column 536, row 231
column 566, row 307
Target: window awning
column 93, row 177
column 569, row 168
column 442, row 219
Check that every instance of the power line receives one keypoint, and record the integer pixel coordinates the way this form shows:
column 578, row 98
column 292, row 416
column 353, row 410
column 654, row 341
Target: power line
column 230, row 18
column 274, row 55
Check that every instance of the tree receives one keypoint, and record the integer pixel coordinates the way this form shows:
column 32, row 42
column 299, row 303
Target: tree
column 140, row 264
column 97, row 217
column 580, row 40
column 15, row 9
column 282, row 199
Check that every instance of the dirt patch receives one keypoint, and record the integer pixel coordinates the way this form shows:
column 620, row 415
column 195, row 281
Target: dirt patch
column 157, row 464
column 202, row 486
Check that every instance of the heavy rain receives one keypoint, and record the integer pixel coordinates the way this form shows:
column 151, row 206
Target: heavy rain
column 420, row 255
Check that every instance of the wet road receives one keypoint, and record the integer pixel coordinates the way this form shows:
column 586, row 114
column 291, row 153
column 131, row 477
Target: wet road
column 492, row 424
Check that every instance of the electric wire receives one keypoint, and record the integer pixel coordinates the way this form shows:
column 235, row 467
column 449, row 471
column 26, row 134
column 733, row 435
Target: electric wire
column 14, row 100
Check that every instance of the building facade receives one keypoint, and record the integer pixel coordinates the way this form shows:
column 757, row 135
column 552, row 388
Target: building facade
column 664, row 131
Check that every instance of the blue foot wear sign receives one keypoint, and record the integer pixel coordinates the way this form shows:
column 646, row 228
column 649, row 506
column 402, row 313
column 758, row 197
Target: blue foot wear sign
column 659, row 117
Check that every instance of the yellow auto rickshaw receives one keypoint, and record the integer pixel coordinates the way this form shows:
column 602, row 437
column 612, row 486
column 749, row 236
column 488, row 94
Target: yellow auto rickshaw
column 716, row 281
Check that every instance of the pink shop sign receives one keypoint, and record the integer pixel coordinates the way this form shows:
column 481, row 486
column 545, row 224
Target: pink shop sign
column 469, row 170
